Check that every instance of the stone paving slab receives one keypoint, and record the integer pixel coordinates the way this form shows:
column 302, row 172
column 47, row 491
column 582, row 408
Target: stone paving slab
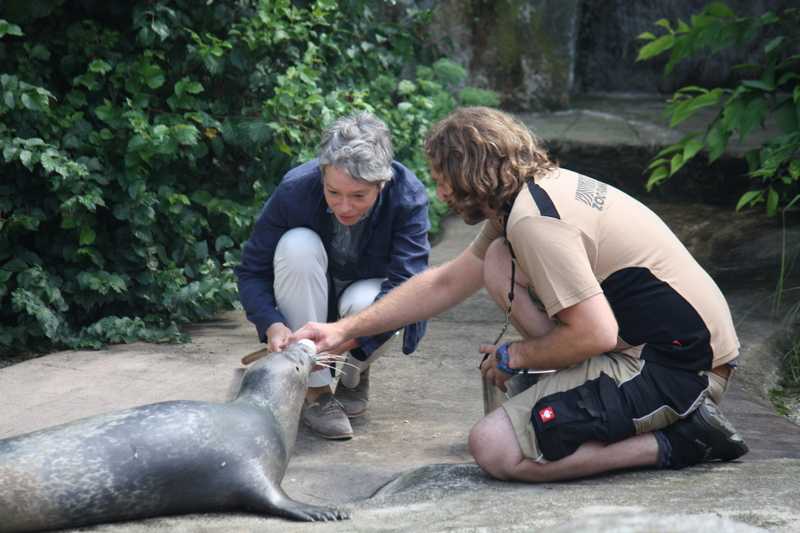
column 423, row 407
column 415, row 432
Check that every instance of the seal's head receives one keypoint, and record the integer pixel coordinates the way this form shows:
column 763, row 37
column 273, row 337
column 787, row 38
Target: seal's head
column 280, row 372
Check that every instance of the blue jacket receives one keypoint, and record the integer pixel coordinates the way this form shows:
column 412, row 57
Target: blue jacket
column 395, row 243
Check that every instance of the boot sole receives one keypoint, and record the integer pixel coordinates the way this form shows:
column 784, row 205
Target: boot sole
column 342, row 436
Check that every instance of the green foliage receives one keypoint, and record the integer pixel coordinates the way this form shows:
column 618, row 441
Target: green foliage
column 472, row 96
column 791, row 365
column 140, row 139
column 767, row 93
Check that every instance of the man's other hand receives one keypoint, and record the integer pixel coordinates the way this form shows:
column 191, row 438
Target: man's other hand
column 489, row 369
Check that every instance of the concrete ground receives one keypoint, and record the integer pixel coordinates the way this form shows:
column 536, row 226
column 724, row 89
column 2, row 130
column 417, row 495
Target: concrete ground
column 408, row 468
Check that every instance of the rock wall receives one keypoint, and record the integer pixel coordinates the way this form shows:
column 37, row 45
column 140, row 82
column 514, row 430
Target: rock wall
column 523, row 49
column 538, row 53
column 607, row 46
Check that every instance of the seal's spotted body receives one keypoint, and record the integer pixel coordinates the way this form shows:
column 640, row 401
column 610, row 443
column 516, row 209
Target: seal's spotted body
column 164, row 459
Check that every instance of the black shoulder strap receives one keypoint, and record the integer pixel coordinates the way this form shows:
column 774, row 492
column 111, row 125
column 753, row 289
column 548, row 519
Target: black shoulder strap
column 546, row 206
column 543, row 202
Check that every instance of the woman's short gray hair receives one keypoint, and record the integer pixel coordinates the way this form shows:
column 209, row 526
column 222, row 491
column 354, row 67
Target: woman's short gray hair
column 360, row 144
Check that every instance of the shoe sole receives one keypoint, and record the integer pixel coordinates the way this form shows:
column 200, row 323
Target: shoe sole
column 713, row 418
column 343, row 436
column 356, row 415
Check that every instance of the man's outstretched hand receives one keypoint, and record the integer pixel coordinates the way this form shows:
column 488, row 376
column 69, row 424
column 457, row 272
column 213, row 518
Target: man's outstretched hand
column 325, row 336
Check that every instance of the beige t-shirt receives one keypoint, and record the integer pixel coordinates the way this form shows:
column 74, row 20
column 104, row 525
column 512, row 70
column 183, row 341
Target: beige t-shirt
column 575, row 237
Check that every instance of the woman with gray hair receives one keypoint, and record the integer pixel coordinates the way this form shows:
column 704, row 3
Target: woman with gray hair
column 338, row 233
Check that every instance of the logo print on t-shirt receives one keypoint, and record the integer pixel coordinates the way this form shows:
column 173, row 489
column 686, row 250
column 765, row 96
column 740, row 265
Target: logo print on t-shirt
column 547, row 414
column 591, row 192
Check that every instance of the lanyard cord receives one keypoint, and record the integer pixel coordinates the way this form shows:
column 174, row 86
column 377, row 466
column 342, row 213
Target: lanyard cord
column 510, row 294
column 511, row 299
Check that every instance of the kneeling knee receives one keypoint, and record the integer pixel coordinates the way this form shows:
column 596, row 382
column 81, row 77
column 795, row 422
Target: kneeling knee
column 487, row 453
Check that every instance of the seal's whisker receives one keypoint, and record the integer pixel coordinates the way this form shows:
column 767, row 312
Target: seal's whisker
column 338, row 362
column 331, row 356
column 332, row 367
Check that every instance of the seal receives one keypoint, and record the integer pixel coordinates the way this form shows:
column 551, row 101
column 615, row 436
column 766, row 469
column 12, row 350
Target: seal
column 166, row 458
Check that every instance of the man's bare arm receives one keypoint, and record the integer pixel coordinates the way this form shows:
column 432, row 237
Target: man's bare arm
column 586, row 329
column 421, row 297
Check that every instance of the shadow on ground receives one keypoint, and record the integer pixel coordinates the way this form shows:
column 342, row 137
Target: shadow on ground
column 407, row 468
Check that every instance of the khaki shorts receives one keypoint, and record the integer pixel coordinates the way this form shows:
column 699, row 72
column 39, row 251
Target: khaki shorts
column 621, row 368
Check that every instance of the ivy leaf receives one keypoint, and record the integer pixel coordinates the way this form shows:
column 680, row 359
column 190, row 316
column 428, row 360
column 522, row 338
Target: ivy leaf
column 99, row 66
column 160, row 29
column 49, row 160
column 223, row 242
column 185, row 85
column 6, row 28
column 185, row 134
column 202, row 197
column 30, row 103
column 794, row 169
column 40, row 52
column 87, row 236
column 719, row 9
column 153, row 76
column 26, row 157
column 106, row 112
column 406, row 87
column 201, row 250
column 25, row 301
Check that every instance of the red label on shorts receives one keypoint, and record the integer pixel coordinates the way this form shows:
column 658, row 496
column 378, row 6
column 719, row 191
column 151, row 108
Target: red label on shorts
column 547, row 414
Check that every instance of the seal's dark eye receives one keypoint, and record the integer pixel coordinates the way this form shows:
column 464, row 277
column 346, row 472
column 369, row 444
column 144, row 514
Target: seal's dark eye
column 297, row 368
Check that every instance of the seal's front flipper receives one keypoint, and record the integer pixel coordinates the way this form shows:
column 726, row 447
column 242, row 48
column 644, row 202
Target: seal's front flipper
column 275, row 502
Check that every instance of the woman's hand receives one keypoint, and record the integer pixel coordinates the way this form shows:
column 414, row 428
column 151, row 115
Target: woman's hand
column 278, row 336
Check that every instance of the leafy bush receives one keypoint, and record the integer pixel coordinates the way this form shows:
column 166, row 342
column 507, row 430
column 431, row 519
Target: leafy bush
column 768, row 92
column 140, row 139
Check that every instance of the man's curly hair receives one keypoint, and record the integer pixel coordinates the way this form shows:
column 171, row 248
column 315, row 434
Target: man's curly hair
column 486, row 156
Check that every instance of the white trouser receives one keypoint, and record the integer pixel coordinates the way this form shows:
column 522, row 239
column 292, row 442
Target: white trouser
column 301, row 293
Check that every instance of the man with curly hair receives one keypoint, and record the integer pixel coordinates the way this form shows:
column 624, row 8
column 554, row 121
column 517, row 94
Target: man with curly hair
column 602, row 291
